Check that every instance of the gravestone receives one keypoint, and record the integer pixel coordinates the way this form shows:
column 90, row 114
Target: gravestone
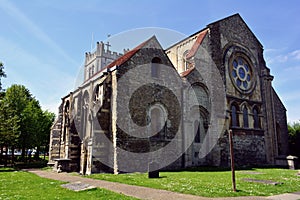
column 251, row 172
column 77, row 186
column 268, row 182
column 292, row 162
column 153, row 171
column 62, row 165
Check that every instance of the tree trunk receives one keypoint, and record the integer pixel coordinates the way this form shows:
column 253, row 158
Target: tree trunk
column 13, row 155
column 5, row 159
column 1, row 154
column 23, row 153
column 37, row 153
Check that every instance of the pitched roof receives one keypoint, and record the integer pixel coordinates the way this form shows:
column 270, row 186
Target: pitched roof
column 187, row 72
column 238, row 17
column 126, row 56
column 197, row 43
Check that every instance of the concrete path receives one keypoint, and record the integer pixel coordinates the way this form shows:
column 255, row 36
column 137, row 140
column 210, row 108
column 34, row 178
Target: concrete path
column 144, row 192
column 289, row 196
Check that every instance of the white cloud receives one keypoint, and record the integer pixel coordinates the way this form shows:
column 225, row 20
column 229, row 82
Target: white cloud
column 274, row 56
column 295, row 54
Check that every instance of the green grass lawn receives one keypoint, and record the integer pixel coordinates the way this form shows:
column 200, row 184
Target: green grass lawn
column 214, row 183
column 23, row 185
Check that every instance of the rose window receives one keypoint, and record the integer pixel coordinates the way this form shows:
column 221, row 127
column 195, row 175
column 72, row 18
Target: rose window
column 241, row 73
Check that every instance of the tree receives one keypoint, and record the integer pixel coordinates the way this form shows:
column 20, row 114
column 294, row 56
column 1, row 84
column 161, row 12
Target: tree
column 46, row 122
column 33, row 123
column 2, row 74
column 8, row 129
column 294, row 138
column 17, row 97
column 23, row 123
column 32, row 119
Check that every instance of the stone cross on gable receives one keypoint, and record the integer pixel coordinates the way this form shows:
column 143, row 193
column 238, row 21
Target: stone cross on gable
column 107, row 45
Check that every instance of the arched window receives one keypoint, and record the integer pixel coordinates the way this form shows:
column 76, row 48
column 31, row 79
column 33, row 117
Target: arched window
column 158, row 122
column 67, row 106
column 85, row 112
column 245, row 117
column 90, row 72
column 155, row 120
column 197, row 131
column 234, row 118
column 66, row 119
column 155, row 67
column 199, row 92
column 185, row 62
column 93, row 70
column 98, row 94
column 255, row 118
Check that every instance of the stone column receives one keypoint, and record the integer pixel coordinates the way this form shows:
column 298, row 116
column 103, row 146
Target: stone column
column 114, row 120
column 82, row 159
column 89, row 160
column 270, row 130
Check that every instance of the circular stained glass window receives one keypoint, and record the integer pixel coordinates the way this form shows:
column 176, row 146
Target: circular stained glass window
column 240, row 72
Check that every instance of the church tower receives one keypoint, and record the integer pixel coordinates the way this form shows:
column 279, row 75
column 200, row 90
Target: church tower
column 96, row 61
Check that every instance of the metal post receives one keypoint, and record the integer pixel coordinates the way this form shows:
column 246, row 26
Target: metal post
column 232, row 161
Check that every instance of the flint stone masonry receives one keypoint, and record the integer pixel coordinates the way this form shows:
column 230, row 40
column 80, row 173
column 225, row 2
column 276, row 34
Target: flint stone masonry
column 190, row 91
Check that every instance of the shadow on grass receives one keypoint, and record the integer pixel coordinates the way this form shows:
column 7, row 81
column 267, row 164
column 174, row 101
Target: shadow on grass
column 35, row 164
column 7, row 170
column 25, row 165
column 199, row 169
column 222, row 169
column 160, row 177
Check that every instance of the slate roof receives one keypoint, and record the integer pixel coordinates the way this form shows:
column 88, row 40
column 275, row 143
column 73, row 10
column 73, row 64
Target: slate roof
column 187, row 72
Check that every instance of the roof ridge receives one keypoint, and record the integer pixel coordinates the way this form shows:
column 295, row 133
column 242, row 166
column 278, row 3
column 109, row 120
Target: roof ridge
column 187, row 72
column 197, row 43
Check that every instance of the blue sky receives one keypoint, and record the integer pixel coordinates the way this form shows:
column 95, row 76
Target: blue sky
column 42, row 43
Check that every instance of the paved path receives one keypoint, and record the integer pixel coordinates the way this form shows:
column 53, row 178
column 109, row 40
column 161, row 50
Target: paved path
column 144, row 192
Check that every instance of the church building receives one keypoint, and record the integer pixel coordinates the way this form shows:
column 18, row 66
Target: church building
column 152, row 108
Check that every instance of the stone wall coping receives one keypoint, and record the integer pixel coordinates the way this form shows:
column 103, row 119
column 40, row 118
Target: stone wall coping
column 62, row 159
column 290, row 157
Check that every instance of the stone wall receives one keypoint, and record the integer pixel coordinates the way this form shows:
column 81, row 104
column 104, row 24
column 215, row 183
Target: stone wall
column 138, row 93
column 281, row 125
column 249, row 148
column 133, row 92
column 55, row 138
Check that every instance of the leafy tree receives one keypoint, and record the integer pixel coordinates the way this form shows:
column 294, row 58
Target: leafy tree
column 32, row 116
column 2, row 74
column 8, row 125
column 8, row 128
column 17, row 97
column 46, row 122
column 23, row 123
column 294, row 138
